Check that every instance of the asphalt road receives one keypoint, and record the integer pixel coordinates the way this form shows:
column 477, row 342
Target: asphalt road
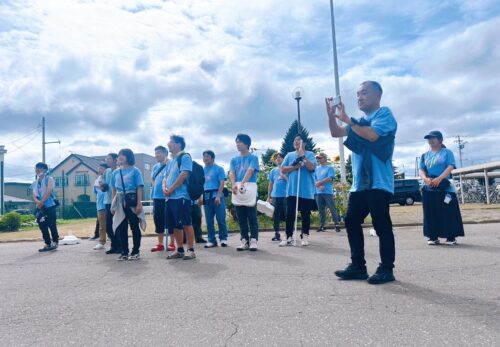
column 443, row 296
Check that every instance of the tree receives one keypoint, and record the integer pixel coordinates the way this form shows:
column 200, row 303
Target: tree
column 267, row 158
column 287, row 144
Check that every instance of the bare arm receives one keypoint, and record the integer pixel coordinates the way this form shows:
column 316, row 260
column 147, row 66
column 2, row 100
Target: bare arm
column 248, row 175
column 365, row 132
column 47, row 194
column 180, row 180
column 138, row 208
column 269, row 190
column 335, row 129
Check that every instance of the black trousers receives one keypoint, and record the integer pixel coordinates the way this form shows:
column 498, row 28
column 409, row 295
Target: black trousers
column 376, row 203
column 122, row 232
column 279, row 214
column 196, row 220
column 115, row 240
column 305, row 207
column 159, row 215
column 49, row 223
column 96, row 232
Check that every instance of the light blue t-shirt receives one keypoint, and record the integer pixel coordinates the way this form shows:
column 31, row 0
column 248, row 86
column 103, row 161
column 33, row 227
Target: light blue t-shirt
column 157, row 175
column 172, row 172
column 241, row 164
column 40, row 188
column 306, row 189
column 132, row 178
column 279, row 183
column 436, row 163
column 321, row 173
column 99, row 198
column 214, row 175
column 108, row 196
column 383, row 123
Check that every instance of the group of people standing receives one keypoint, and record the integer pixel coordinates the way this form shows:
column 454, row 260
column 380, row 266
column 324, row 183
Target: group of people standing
column 299, row 180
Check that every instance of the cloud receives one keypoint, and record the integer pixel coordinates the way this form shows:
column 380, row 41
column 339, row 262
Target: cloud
column 110, row 74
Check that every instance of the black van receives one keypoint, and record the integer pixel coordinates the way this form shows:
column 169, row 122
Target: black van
column 406, row 192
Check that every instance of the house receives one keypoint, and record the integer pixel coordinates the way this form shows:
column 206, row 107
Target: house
column 20, row 190
column 79, row 172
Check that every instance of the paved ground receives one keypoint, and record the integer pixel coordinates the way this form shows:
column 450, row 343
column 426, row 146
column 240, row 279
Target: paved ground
column 444, row 296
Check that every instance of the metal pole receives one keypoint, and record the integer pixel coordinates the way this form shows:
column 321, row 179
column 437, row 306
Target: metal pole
column 2, row 153
column 63, row 194
column 462, row 189
column 343, row 178
column 487, row 187
column 43, row 139
column 298, row 177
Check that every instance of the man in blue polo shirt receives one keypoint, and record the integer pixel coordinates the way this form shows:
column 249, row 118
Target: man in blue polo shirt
column 324, row 177
column 157, row 175
column 213, row 200
column 178, row 205
column 371, row 139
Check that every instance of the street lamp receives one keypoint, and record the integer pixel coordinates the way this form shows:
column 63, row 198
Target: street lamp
column 2, row 153
column 297, row 94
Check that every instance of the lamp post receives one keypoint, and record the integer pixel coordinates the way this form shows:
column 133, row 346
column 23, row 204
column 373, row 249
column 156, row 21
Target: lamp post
column 297, row 95
column 2, row 153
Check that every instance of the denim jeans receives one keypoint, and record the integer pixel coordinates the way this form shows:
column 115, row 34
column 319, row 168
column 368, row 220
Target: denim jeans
column 376, row 203
column 219, row 212
column 326, row 201
column 247, row 219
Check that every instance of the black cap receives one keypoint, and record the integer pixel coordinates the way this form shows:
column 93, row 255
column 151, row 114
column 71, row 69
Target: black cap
column 434, row 133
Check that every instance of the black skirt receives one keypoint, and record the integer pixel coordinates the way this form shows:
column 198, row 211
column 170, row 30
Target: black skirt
column 441, row 219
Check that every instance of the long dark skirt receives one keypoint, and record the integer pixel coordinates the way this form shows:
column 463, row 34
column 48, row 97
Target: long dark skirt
column 441, row 219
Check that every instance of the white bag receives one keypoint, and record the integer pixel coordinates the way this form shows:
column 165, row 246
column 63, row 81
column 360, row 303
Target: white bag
column 266, row 208
column 246, row 196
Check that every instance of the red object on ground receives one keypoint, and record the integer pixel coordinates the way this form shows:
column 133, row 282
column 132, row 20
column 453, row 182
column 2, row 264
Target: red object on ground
column 158, row 248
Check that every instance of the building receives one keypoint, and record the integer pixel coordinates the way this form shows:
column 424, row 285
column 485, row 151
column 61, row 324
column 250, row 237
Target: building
column 19, row 190
column 79, row 172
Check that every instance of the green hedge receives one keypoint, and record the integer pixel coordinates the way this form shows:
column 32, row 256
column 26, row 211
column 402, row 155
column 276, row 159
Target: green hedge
column 10, row 222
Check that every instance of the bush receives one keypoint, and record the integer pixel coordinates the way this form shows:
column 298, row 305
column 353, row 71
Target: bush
column 10, row 222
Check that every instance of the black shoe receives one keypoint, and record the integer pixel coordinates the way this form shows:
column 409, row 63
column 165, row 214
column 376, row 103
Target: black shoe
column 353, row 272
column 337, row 228
column 94, row 238
column 276, row 237
column 113, row 251
column 320, row 229
column 201, row 241
column 382, row 275
column 46, row 248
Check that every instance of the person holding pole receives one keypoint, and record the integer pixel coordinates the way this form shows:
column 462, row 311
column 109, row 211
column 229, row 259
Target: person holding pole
column 110, row 160
column 276, row 194
column 371, row 140
column 299, row 166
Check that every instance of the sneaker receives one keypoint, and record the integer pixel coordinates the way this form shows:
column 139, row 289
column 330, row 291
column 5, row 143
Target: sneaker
column 158, row 248
column 337, row 228
column 171, row 248
column 382, row 275
column 94, row 238
column 223, row 243
column 352, row 272
column 253, row 245
column 135, row 256
column 433, row 242
column 210, row 245
column 45, row 248
column 305, row 240
column 320, row 229
column 123, row 257
column 287, row 242
column 54, row 245
column 451, row 242
column 176, row 255
column 276, row 237
column 99, row 247
column 244, row 246
column 189, row 255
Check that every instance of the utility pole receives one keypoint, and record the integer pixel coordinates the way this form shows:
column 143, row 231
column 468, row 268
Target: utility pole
column 417, row 161
column 461, row 145
column 2, row 153
column 43, row 140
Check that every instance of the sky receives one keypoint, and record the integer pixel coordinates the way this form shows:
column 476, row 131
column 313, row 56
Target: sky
column 122, row 73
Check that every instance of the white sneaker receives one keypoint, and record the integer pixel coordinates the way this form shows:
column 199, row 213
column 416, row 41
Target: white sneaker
column 287, row 242
column 433, row 242
column 99, row 247
column 253, row 245
column 244, row 246
column 305, row 240
column 451, row 243
column 223, row 243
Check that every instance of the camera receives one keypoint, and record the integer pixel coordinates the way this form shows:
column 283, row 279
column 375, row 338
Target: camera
column 334, row 102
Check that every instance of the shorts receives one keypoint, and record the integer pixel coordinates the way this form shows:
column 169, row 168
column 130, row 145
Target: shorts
column 178, row 213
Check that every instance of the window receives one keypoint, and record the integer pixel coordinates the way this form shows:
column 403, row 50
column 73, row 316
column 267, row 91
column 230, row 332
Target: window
column 58, row 180
column 82, row 180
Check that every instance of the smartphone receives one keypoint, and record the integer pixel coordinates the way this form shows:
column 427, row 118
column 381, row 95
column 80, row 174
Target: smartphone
column 335, row 101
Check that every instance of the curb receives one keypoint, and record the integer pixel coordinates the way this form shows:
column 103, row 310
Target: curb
column 401, row 225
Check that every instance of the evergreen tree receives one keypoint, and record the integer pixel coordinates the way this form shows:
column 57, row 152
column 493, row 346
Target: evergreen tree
column 267, row 158
column 287, row 144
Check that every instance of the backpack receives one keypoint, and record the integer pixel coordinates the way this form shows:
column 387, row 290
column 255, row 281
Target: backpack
column 196, row 179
